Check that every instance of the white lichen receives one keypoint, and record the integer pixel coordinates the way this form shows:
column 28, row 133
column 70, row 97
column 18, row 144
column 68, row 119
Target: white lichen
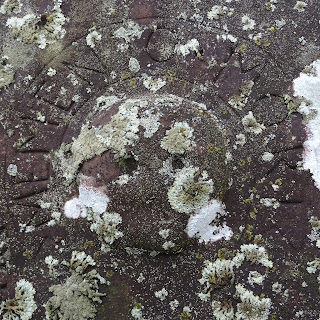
column 313, row 266
column 22, row 306
column 122, row 179
column 223, row 310
column 136, row 311
column 277, row 287
column 191, row 46
column 300, row 6
column 267, row 156
column 161, row 294
column 215, row 12
column 164, row 233
column 134, row 65
column 314, row 236
column 129, row 32
column 150, row 122
column 216, row 275
column 168, row 245
column 248, row 23
column 241, row 139
column 12, row 170
column 52, row 263
column 178, row 139
column 190, row 191
column 202, row 226
column 270, row 202
column 255, row 278
column 174, row 304
column 92, row 37
column 51, row 72
column 153, row 84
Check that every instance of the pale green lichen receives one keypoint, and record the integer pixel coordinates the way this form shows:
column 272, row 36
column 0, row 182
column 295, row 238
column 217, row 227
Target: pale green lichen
column 129, row 32
column 300, row 6
column 22, row 306
column 251, row 307
column 216, row 275
column 120, row 132
column 256, row 254
column 223, row 310
column 76, row 298
column 217, row 11
column 40, row 29
column 136, row 311
column 10, row 6
column 178, row 138
column 190, row 191
column 221, row 272
column 150, row 123
column 251, row 125
column 6, row 73
column 106, row 227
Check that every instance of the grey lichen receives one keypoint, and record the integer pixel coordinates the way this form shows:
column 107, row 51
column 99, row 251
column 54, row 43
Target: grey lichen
column 190, row 191
column 6, row 72
column 22, row 306
column 76, row 298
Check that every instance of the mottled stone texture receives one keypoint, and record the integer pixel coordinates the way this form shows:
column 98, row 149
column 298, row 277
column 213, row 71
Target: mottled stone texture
column 162, row 87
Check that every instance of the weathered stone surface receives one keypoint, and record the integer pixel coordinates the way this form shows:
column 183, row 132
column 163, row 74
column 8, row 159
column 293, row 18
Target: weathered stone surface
column 137, row 116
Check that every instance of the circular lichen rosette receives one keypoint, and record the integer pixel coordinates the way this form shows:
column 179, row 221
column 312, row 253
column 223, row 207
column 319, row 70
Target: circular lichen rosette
column 140, row 167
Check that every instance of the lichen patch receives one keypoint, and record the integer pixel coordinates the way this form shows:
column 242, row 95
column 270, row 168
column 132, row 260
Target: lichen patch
column 190, row 191
column 178, row 139
column 76, row 298
column 251, row 124
column 129, row 32
column 307, row 87
column 200, row 224
column 251, row 307
column 22, row 306
column 40, row 29
column 6, row 72
column 92, row 37
column 191, row 46
column 106, row 227
column 89, row 198
column 10, row 6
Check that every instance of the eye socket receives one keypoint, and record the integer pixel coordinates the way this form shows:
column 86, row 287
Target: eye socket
column 128, row 164
column 177, row 163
